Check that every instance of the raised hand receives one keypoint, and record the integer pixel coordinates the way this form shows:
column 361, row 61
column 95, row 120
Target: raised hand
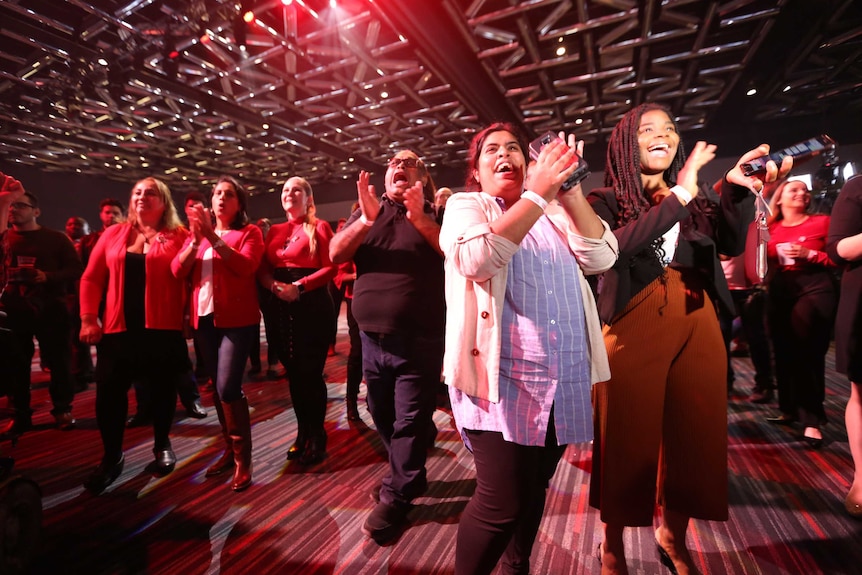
column 555, row 164
column 369, row 203
column 414, row 201
column 10, row 189
column 701, row 155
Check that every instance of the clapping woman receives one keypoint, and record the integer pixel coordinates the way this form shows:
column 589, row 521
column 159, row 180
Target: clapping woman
column 222, row 260
column 140, row 336
column 297, row 270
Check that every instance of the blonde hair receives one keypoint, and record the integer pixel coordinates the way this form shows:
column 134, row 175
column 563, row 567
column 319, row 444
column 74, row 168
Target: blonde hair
column 309, row 224
column 170, row 221
column 777, row 216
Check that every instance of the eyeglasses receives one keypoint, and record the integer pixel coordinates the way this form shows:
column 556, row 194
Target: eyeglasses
column 21, row 205
column 406, row 162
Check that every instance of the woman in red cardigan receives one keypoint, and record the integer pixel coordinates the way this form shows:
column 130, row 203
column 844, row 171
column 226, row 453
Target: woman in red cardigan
column 222, row 261
column 297, row 269
column 140, row 337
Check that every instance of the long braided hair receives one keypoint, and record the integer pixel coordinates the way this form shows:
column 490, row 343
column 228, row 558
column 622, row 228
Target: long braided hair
column 623, row 165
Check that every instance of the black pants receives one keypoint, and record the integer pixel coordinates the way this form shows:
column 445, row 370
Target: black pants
column 354, row 357
column 503, row 516
column 52, row 327
column 751, row 309
column 304, row 334
column 156, row 358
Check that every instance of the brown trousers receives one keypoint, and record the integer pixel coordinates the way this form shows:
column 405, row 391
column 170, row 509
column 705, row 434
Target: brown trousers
column 661, row 420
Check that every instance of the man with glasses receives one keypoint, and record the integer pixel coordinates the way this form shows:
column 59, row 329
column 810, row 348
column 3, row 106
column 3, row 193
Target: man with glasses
column 37, row 266
column 398, row 306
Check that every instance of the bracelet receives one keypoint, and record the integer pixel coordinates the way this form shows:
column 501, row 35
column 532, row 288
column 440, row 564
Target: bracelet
column 219, row 243
column 195, row 245
column 682, row 194
column 366, row 221
column 536, row 199
column 300, row 287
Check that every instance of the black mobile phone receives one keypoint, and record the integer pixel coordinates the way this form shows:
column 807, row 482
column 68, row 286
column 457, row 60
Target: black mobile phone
column 579, row 174
column 801, row 151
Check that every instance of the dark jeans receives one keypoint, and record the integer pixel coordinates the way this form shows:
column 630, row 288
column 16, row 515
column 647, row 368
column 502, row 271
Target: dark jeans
column 52, row 327
column 503, row 516
column 156, row 358
column 401, row 374
column 225, row 351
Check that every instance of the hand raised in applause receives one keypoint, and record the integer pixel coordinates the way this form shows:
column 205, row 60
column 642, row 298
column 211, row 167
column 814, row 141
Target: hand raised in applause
column 10, row 189
column 414, row 201
column 369, row 203
column 556, row 162
column 701, row 155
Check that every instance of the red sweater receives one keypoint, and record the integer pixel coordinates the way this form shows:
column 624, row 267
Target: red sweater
column 234, row 286
column 287, row 246
column 164, row 293
column 811, row 233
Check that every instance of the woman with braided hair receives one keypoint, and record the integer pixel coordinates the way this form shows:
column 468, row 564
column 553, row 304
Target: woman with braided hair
column 661, row 423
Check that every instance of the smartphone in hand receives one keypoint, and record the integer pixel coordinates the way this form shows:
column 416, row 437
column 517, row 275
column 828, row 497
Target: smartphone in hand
column 579, row 174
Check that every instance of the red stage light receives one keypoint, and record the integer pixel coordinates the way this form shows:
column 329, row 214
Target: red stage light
column 173, row 54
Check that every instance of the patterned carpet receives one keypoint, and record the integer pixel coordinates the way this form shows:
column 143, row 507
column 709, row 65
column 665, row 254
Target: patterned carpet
column 786, row 513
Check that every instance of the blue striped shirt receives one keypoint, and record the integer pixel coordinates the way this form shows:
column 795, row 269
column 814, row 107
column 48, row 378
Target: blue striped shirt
column 543, row 360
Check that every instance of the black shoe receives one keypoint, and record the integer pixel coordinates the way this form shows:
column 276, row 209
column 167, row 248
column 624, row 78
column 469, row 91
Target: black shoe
column 64, row 421
column 665, row 559
column 196, row 410
column 782, row 419
column 298, row 448
column 386, row 522
column 273, row 373
column 761, row 395
column 165, row 461
column 104, row 475
column 315, row 451
column 138, row 420
column 811, row 439
column 16, row 426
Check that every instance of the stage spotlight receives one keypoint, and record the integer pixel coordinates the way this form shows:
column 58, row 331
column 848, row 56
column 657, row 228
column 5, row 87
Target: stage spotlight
column 287, row 2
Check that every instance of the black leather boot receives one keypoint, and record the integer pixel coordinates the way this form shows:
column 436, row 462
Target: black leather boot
column 225, row 462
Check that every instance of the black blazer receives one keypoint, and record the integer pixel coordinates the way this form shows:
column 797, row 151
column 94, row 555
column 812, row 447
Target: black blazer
column 711, row 224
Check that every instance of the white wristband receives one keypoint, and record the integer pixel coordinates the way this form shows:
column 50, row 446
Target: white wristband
column 366, row 221
column 682, row 194
column 536, row 199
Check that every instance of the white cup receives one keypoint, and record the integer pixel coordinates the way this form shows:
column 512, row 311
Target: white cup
column 783, row 258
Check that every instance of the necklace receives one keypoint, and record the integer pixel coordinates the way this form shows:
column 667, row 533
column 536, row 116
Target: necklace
column 147, row 237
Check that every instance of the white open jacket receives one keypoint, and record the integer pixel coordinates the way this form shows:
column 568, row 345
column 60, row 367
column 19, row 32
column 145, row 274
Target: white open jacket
column 477, row 265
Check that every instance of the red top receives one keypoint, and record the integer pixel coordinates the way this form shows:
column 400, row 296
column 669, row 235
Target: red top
column 811, row 233
column 164, row 293
column 287, row 246
column 234, row 286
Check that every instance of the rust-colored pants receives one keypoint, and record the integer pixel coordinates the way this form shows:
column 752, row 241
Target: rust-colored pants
column 661, row 420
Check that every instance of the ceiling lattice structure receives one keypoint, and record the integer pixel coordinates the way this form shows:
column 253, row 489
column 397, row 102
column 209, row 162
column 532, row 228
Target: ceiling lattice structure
column 188, row 90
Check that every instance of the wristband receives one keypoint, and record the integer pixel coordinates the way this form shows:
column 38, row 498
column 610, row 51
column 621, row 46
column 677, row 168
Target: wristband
column 299, row 287
column 536, row 199
column 366, row 221
column 682, row 194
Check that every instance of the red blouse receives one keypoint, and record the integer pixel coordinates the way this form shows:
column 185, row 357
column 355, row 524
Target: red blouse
column 288, row 246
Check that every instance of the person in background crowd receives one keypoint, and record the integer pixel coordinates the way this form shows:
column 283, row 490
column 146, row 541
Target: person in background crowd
column 221, row 261
column 802, row 302
column 297, row 270
column 519, row 364
column 844, row 246
column 140, row 335
column 661, row 419
column 336, row 291
column 76, row 228
column 265, row 299
column 441, row 196
column 37, row 267
column 344, row 280
column 398, row 306
column 110, row 213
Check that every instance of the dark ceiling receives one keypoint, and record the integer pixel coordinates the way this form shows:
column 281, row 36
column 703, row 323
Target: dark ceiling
column 123, row 89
